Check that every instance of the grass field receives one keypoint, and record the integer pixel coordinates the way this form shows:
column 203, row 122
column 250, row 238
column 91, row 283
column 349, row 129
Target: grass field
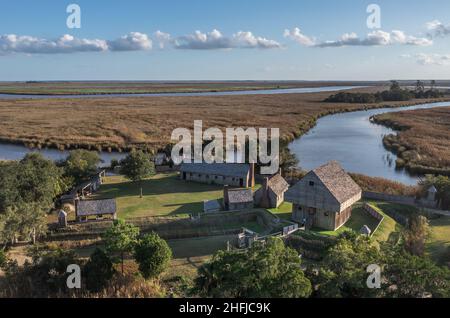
column 127, row 122
column 358, row 219
column 439, row 244
column 284, row 211
column 164, row 194
column 424, row 139
column 99, row 87
column 388, row 227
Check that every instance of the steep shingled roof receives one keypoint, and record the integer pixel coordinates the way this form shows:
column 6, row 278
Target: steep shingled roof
column 220, row 169
column 240, row 195
column 96, row 207
column 337, row 181
column 277, row 184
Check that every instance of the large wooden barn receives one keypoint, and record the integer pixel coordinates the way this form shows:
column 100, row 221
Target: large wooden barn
column 233, row 174
column 324, row 197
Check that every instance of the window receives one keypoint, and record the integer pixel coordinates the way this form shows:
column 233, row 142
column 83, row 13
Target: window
column 207, row 176
column 311, row 183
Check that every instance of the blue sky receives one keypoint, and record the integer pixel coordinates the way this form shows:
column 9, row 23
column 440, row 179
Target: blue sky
column 253, row 39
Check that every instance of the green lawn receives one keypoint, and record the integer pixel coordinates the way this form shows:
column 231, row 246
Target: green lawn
column 163, row 194
column 357, row 220
column 438, row 245
column 388, row 227
column 284, row 211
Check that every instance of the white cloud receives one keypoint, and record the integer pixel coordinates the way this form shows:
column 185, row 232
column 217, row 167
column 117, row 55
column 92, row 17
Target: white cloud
column 163, row 38
column 248, row 40
column 377, row 38
column 374, row 38
column 430, row 58
column 133, row 41
column 215, row 40
column 297, row 35
column 12, row 43
column 437, row 28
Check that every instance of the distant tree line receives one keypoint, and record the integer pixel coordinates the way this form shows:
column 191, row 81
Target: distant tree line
column 395, row 93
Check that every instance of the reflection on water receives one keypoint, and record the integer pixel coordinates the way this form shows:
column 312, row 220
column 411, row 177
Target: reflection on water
column 354, row 141
column 17, row 152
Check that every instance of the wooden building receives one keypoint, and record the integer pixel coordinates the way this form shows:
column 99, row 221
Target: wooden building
column 237, row 199
column 271, row 193
column 324, row 197
column 233, row 174
column 97, row 209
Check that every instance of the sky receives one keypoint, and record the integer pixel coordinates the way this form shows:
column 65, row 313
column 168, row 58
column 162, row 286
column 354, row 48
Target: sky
column 225, row 40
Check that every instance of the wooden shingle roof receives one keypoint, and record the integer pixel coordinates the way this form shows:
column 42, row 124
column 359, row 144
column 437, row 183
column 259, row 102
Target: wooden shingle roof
column 240, row 195
column 337, row 181
column 277, row 184
column 96, row 207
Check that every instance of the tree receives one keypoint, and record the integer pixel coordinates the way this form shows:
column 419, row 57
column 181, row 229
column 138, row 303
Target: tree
column 442, row 184
column 416, row 234
column 3, row 258
column 34, row 179
column 81, row 164
column 395, row 86
column 265, row 270
column 120, row 239
column 98, row 271
column 407, row 275
column 343, row 271
column 420, row 88
column 153, row 255
column 138, row 166
column 433, row 85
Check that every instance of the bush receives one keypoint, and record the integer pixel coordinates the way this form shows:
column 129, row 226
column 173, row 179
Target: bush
column 98, row 271
column 153, row 255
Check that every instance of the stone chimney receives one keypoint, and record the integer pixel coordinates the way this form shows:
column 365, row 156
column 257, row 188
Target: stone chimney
column 265, row 200
column 225, row 196
column 252, row 175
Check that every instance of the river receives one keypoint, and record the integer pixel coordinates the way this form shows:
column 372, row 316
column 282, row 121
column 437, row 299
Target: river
column 302, row 90
column 357, row 143
column 349, row 138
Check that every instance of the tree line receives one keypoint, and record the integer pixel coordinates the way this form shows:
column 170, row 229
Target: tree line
column 395, row 93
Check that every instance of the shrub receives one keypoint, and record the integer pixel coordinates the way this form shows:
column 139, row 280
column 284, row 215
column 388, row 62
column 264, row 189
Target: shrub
column 153, row 255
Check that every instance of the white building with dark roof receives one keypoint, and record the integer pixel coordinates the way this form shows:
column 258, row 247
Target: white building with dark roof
column 324, row 197
column 233, row 174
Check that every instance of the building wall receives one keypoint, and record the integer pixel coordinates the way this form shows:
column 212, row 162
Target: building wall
column 215, row 179
column 240, row 206
column 311, row 192
column 319, row 218
column 342, row 217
